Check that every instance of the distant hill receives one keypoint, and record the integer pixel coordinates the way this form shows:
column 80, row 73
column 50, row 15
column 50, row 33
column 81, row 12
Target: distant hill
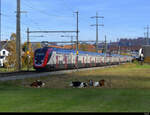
column 126, row 44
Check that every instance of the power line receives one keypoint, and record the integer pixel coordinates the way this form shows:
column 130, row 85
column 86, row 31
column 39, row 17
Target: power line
column 37, row 32
column 42, row 11
column 30, row 20
column 30, row 5
column 11, row 19
column 68, row 7
column 81, row 41
column 6, row 15
column 71, row 39
column 52, row 31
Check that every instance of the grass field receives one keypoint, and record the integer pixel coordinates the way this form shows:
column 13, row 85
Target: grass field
column 13, row 69
column 127, row 89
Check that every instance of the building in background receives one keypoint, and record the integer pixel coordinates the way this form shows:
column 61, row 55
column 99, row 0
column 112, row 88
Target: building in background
column 3, row 52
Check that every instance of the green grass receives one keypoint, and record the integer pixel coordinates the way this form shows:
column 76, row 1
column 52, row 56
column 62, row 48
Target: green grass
column 6, row 70
column 74, row 100
column 13, row 69
column 127, row 89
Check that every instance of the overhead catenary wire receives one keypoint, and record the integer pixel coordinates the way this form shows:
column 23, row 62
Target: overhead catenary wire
column 39, row 25
column 30, row 5
column 28, row 20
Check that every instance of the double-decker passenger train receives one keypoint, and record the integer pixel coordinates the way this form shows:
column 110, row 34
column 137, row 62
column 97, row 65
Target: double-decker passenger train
column 49, row 58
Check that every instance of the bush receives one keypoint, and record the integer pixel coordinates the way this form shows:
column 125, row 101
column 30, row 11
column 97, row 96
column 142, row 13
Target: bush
column 147, row 60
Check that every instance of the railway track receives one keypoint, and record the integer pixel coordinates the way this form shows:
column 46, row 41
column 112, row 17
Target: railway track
column 33, row 74
column 6, row 74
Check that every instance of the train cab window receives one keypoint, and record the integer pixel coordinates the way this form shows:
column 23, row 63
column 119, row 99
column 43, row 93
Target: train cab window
column 40, row 54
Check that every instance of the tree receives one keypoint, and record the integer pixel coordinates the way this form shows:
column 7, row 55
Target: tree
column 13, row 37
column 87, row 47
column 27, row 54
column 11, row 47
column 11, row 58
column 38, row 45
column 84, row 47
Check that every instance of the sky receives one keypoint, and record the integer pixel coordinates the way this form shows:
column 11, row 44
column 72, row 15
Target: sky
column 122, row 18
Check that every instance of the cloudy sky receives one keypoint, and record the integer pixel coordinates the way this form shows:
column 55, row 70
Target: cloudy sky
column 122, row 18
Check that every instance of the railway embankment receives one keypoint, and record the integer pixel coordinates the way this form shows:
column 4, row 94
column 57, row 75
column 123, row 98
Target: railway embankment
column 33, row 74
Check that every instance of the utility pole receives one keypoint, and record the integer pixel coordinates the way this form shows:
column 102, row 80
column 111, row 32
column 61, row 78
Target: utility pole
column 18, row 38
column 118, row 46
column 105, row 45
column 0, row 20
column 72, row 42
column 28, row 49
column 77, row 32
column 147, row 38
column 110, row 47
column 97, row 25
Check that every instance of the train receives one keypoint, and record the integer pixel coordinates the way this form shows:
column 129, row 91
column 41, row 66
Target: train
column 50, row 59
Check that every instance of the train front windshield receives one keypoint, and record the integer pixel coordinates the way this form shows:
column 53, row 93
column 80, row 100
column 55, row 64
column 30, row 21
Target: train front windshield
column 39, row 55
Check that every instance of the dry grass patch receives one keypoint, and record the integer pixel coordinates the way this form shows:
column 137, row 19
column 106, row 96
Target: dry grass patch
column 123, row 76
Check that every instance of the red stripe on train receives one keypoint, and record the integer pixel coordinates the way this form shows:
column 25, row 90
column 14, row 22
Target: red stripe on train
column 45, row 59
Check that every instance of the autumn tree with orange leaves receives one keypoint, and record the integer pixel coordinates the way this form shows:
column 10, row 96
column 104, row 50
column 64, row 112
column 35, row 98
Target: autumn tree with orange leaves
column 27, row 53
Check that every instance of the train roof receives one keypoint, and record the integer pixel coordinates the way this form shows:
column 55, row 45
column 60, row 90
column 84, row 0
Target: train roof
column 74, row 51
column 83, row 52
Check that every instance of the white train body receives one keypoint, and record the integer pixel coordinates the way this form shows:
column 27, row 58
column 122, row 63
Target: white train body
column 55, row 59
